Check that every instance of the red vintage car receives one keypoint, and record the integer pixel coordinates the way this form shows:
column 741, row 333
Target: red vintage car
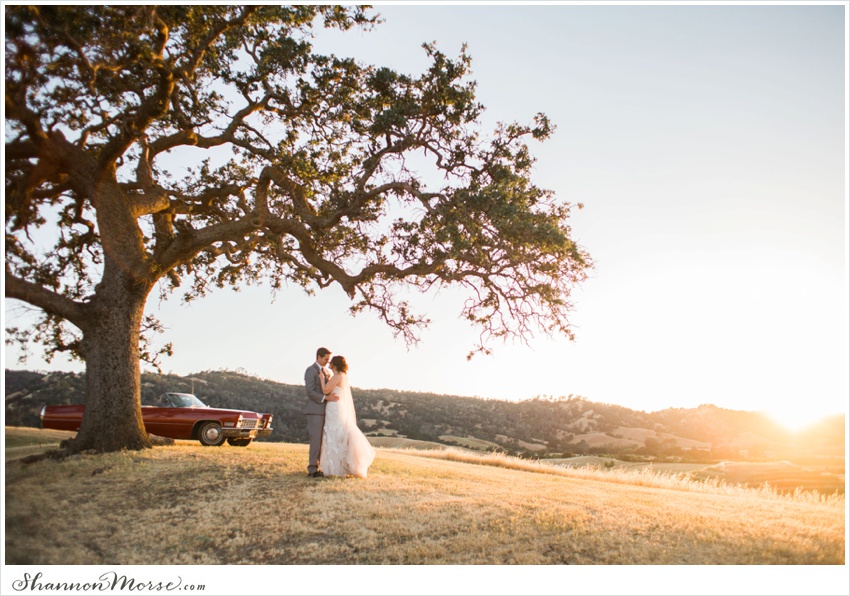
column 179, row 416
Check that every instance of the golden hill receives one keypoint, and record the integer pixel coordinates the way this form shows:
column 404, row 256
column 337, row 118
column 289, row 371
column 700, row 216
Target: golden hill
column 178, row 504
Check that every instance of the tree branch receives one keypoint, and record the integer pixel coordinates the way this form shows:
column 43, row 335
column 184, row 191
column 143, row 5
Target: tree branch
column 47, row 300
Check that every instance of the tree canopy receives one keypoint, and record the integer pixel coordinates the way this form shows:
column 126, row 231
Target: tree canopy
column 306, row 168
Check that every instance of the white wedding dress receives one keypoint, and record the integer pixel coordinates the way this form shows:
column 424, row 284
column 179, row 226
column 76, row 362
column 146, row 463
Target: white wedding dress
column 345, row 449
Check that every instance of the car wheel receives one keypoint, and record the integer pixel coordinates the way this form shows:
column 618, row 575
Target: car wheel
column 210, row 435
column 239, row 442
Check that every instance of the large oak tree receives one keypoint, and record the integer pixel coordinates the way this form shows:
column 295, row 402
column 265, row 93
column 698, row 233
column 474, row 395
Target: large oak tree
column 303, row 172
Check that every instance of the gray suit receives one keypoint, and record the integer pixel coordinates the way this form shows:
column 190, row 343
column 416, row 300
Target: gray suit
column 315, row 411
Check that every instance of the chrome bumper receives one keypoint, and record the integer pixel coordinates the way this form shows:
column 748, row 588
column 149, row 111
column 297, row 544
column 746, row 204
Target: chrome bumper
column 245, row 433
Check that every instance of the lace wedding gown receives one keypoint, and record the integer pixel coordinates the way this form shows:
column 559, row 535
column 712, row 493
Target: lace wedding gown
column 345, row 449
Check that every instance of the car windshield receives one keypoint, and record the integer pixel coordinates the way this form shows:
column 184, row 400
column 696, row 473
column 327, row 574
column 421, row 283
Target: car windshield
column 183, row 400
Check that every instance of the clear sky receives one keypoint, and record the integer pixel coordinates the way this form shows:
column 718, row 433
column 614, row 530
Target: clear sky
column 707, row 144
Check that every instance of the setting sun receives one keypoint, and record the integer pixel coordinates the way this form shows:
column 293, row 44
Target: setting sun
column 797, row 420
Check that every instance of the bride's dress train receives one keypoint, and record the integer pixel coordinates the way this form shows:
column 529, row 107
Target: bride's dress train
column 345, row 449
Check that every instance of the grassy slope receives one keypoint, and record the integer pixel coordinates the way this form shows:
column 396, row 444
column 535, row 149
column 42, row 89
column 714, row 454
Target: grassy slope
column 192, row 505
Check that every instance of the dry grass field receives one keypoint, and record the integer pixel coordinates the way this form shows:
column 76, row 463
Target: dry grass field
column 21, row 442
column 185, row 504
column 402, row 443
column 470, row 442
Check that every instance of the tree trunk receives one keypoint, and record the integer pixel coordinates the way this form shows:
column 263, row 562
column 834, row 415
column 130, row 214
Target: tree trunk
column 112, row 419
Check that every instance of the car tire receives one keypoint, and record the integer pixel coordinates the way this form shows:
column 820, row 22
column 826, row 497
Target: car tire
column 239, row 442
column 210, row 435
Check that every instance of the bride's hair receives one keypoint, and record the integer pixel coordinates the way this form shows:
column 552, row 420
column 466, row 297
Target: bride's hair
column 339, row 363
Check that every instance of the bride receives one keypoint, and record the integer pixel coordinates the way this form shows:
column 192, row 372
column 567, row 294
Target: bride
column 345, row 450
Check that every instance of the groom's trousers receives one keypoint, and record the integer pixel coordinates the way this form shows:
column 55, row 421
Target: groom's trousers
column 315, row 426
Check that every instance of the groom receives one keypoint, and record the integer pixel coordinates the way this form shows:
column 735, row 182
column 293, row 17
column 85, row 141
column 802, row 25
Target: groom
column 315, row 411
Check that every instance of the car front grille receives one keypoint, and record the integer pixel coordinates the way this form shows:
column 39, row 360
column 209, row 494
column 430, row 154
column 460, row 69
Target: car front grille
column 248, row 423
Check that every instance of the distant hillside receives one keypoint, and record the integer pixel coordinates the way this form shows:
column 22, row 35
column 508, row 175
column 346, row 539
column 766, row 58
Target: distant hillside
column 536, row 427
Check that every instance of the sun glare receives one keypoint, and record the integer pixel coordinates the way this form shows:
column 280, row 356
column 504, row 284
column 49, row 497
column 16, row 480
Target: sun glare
column 797, row 420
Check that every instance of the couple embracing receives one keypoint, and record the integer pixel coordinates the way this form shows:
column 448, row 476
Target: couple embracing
column 337, row 447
